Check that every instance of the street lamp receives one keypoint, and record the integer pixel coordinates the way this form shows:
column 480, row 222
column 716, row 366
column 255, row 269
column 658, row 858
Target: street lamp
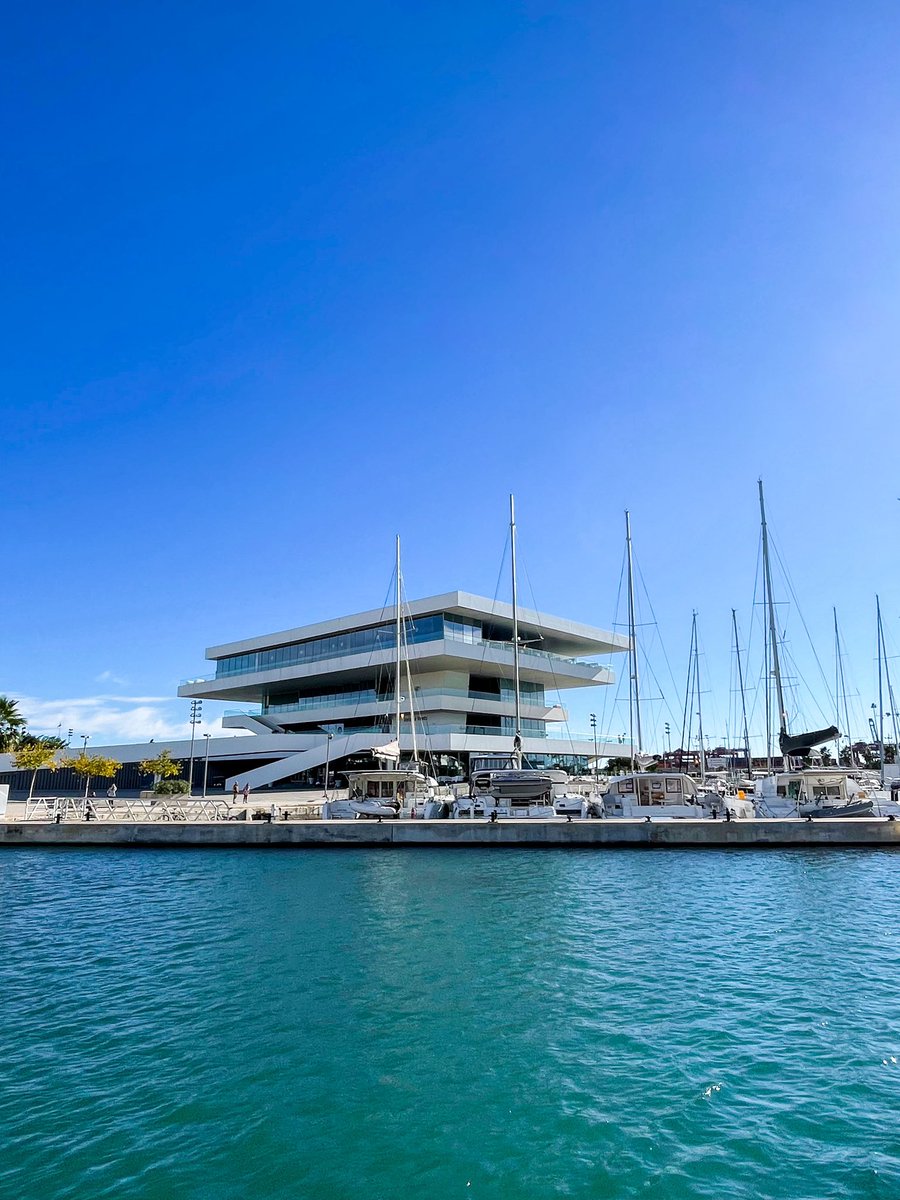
column 668, row 738
column 206, row 764
column 196, row 719
column 596, row 762
column 329, row 735
column 87, row 778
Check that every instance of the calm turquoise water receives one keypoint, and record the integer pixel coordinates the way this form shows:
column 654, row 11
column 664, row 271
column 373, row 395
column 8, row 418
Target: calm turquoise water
column 449, row 1024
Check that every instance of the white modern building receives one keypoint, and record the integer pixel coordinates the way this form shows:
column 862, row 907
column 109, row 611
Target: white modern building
column 327, row 691
column 324, row 695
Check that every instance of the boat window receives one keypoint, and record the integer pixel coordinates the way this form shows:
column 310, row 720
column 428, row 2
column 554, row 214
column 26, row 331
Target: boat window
column 627, row 785
column 833, row 789
column 794, row 789
column 780, row 790
column 673, row 785
column 372, row 789
column 387, row 789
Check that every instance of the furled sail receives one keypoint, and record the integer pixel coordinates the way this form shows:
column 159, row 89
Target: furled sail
column 800, row 744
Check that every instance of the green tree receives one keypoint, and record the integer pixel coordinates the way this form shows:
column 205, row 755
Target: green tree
column 35, row 739
column 12, row 725
column 36, row 754
column 618, row 766
column 91, row 765
column 161, row 767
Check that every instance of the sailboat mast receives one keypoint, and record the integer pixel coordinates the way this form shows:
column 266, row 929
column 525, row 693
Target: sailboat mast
column 840, row 688
column 773, row 634
column 399, row 654
column 517, row 739
column 881, row 657
column 768, row 673
column 890, row 691
column 634, row 685
column 412, row 714
column 699, row 706
column 737, row 651
column 687, row 715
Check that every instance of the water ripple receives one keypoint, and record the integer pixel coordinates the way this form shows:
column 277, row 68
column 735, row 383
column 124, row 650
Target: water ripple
column 478, row 1024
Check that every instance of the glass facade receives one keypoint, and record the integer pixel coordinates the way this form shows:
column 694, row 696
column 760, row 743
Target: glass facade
column 285, row 704
column 378, row 638
column 358, row 641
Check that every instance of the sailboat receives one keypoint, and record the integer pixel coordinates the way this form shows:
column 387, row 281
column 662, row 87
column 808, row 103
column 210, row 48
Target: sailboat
column 517, row 791
column 806, row 791
column 392, row 791
column 665, row 795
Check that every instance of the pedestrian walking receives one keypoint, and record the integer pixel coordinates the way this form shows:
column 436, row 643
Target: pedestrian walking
column 246, row 792
column 234, row 792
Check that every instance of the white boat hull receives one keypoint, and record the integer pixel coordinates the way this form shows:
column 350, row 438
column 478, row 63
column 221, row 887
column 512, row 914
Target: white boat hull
column 373, row 809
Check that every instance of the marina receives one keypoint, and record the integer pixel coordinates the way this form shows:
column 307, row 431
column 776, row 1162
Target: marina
column 449, row 727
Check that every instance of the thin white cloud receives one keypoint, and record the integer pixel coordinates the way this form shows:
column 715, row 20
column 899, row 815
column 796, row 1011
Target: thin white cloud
column 114, row 719
column 109, row 677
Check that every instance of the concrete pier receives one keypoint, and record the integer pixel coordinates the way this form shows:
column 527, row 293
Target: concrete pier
column 759, row 834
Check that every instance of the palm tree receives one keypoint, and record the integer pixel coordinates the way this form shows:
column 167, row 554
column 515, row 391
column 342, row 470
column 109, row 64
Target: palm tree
column 12, row 724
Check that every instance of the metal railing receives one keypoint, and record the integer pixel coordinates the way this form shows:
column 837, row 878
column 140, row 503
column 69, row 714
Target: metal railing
column 354, row 699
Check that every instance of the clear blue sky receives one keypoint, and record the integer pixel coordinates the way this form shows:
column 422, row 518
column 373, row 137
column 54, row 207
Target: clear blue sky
column 282, row 279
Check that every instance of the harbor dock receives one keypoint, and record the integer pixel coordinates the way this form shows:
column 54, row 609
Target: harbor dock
column 681, row 834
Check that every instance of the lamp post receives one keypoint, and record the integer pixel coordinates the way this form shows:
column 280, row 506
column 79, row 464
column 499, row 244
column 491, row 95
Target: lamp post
column 87, row 778
column 327, row 760
column 668, row 738
column 206, row 764
column 596, row 762
column 196, row 719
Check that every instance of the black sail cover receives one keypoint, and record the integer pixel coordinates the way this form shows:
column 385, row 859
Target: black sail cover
column 801, row 743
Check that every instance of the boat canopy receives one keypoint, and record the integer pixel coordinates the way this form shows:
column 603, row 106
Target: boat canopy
column 659, row 787
column 385, row 784
column 523, row 786
column 806, row 785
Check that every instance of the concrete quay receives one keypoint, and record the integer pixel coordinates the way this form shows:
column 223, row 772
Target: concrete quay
column 757, row 834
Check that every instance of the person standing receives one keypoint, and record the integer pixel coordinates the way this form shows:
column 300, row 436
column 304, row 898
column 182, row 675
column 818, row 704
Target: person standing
column 246, row 792
column 234, row 792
